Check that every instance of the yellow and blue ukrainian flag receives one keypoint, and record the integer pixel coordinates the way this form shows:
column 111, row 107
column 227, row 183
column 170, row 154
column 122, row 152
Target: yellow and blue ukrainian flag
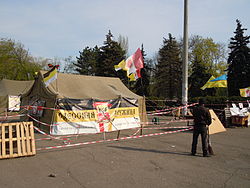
column 208, row 84
column 220, row 81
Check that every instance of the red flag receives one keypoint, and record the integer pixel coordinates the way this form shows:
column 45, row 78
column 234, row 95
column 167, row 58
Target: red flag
column 138, row 59
column 135, row 63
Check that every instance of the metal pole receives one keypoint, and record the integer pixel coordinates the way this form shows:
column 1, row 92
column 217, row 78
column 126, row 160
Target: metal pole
column 185, row 59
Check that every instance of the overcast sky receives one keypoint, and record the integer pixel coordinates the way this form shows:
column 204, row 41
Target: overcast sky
column 62, row 28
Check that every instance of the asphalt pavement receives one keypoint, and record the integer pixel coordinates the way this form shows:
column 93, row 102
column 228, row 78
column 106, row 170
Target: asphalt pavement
column 156, row 161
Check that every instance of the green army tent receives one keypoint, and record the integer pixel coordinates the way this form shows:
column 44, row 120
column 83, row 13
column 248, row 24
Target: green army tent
column 78, row 104
column 10, row 91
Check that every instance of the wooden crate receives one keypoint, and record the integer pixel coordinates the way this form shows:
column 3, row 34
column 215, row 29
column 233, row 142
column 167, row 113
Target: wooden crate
column 17, row 140
column 240, row 120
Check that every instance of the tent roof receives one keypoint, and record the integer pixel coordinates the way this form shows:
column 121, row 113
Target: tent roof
column 14, row 87
column 86, row 87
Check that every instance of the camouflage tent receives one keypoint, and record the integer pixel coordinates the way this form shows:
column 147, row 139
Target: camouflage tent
column 10, row 92
column 74, row 104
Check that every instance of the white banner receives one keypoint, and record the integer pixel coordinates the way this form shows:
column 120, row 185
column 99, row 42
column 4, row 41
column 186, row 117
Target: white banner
column 95, row 121
column 65, row 128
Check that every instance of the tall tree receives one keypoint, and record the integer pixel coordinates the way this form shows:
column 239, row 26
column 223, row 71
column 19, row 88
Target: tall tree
column 15, row 61
column 197, row 79
column 238, row 62
column 209, row 53
column 123, row 42
column 206, row 58
column 68, row 65
column 110, row 54
column 168, row 74
column 87, row 61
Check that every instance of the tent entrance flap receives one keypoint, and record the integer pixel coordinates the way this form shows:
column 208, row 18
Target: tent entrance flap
column 76, row 116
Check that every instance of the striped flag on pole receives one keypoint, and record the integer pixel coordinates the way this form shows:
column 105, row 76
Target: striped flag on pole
column 50, row 76
column 245, row 92
column 132, row 65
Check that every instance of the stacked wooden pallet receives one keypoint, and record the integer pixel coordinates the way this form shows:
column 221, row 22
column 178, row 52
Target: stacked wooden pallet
column 17, row 140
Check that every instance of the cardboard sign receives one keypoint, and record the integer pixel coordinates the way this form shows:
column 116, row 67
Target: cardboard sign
column 14, row 103
column 216, row 125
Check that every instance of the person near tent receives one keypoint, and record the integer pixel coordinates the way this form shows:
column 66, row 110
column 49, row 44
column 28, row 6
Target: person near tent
column 202, row 119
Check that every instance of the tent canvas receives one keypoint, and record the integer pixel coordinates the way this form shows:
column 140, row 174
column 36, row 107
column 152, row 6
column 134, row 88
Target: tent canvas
column 84, row 104
column 10, row 90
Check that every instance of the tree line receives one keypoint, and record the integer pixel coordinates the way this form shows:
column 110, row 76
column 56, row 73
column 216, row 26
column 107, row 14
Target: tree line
column 161, row 75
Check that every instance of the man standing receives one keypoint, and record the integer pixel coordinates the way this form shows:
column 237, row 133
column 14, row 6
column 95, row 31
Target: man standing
column 202, row 119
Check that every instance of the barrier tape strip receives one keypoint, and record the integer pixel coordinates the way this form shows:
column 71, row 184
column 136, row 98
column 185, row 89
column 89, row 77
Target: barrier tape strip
column 48, row 135
column 141, row 123
column 68, row 136
column 182, row 127
column 29, row 107
column 114, row 139
column 42, row 132
column 166, row 122
column 42, row 107
column 165, row 100
column 136, row 132
column 158, row 112
column 6, row 117
column 38, row 120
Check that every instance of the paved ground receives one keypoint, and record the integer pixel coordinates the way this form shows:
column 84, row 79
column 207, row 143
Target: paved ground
column 158, row 161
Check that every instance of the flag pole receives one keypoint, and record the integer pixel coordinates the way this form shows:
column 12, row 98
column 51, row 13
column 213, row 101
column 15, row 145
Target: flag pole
column 185, row 59
column 142, row 87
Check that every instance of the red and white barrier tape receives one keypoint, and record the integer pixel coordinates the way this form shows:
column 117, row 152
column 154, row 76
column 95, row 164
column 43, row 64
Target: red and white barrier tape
column 38, row 120
column 141, row 123
column 42, row 132
column 6, row 117
column 49, row 136
column 182, row 127
column 43, row 107
column 165, row 122
column 159, row 112
column 115, row 139
column 156, row 111
column 68, row 136
column 28, row 107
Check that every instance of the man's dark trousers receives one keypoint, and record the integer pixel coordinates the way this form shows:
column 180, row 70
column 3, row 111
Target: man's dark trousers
column 200, row 130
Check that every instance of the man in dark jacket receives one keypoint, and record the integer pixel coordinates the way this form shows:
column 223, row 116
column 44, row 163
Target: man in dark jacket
column 202, row 119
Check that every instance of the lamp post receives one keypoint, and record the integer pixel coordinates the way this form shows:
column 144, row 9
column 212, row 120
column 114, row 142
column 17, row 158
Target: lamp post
column 185, row 59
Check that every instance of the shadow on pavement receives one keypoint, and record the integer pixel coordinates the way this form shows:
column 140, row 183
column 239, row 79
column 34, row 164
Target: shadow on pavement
column 151, row 150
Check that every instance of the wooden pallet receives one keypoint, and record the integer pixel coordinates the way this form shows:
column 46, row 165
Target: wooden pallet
column 17, row 140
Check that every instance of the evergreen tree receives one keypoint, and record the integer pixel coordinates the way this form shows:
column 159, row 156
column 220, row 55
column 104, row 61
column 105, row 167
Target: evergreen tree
column 238, row 62
column 168, row 74
column 110, row 54
column 197, row 79
column 87, row 61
